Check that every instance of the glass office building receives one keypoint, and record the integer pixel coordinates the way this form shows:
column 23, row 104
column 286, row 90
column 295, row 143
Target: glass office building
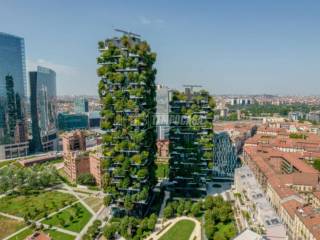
column 13, row 134
column 68, row 122
column 81, row 105
column 43, row 95
column 162, row 112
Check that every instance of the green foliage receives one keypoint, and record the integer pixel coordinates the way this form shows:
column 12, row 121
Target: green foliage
column 93, row 231
column 219, row 221
column 130, row 227
column 316, row 164
column 297, row 136
column 24, row 180
column 86, row 179
column 127, row 91
column 258, row 110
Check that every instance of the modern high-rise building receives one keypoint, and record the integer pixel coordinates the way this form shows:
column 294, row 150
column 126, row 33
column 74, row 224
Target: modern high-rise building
column 128, row 93
column 81, row 105
column 13, row 131
column 162, row 112
column 191, row 142
column 43, row 96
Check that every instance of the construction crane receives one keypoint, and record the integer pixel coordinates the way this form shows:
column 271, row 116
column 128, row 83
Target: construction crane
column 127, row 33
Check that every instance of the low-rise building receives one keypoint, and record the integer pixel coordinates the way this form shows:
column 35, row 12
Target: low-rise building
column 77, row 160
column 280, row 162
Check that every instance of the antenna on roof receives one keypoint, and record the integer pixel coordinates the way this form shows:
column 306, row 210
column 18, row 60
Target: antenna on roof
column 127, row 33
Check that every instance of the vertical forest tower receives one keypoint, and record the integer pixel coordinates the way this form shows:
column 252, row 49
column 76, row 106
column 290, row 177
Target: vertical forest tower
column 191, row 142
column 128, row 96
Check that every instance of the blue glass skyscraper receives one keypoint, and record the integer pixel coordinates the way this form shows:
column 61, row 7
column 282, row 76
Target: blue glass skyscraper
column 43, row 96
column 12, row 97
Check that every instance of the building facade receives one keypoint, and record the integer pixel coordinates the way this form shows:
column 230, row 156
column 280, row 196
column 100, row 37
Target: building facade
column 128, row 93
column 81, row 105
column 13, row 131
column 225, row 155
column 162, row 112
column 77, row 160
column 190, row 142
column 43, row 95
column 68, row 122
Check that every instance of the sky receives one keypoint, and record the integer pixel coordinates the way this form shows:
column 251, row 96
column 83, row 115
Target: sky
column 228, row 47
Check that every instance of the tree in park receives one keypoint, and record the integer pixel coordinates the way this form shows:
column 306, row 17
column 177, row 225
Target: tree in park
column 107, row 200
column 196, row 209
column 168, row 211
column 71, row 218
column 86, row 179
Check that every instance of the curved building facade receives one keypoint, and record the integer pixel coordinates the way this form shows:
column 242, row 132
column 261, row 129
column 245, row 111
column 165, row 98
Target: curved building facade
column 43, row 95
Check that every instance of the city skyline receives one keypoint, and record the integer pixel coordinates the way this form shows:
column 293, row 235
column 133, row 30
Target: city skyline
column 239, row 48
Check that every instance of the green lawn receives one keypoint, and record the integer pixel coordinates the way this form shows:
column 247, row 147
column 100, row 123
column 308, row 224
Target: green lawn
column 23, row 235
column 5, row 163
column 64, row 219
column 56, row 235
column 94, row 202
column 162, row 170
column 180, row 231
column 36, row 204
column 8, row 226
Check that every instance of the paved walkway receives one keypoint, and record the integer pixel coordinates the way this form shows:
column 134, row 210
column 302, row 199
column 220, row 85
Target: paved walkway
column 93, row 218
column 196, row 234
column 164, row 202
column 15, row 233
column 79, row 199
column 70, row 190
column 11, row 216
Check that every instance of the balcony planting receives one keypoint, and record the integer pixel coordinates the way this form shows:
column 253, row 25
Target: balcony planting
column 127, row 92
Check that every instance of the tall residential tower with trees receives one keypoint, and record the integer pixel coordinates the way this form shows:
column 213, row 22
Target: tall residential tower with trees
column 127, row 90
column 191, row 142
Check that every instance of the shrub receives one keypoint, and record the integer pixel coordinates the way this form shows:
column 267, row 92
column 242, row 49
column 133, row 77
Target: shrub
column 86, row 179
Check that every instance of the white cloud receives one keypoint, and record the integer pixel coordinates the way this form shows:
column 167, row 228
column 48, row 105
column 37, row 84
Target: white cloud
column 60, row 69
column 147, row 21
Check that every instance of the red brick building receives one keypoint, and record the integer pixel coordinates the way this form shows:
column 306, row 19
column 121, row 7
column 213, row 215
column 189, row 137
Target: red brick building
column 77, row 160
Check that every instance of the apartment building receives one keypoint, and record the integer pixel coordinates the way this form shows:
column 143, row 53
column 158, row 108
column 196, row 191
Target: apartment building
column 77, row 160
column 281, row 163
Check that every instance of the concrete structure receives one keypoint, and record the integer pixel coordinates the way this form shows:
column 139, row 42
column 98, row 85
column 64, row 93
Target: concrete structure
column 240, row 101
column 248, row 235
column 313, row 116
column 163, row 150
column 77, row 160
column 255, row 204
column 162, row 112
column 295, row 116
